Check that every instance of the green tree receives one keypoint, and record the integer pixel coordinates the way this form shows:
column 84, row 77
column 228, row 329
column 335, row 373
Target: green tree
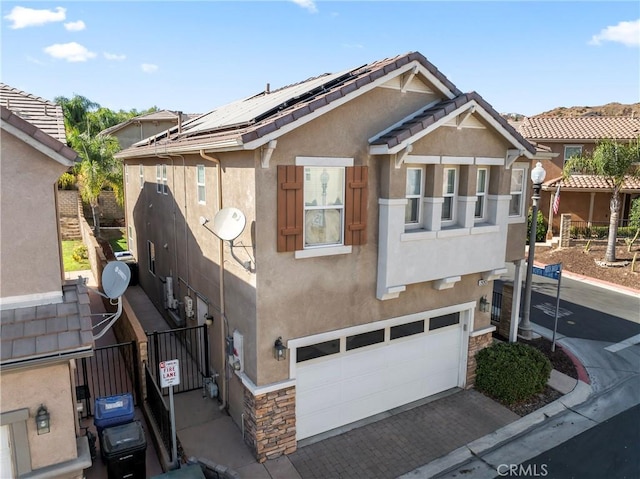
column 98, row 170
column 634, row 222
column 75, row 112
column 614, row 161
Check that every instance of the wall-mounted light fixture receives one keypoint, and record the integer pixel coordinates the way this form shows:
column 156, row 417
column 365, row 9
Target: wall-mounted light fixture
column 43, row 420
column 279, row 349
column 208, row 319
column 484, row 304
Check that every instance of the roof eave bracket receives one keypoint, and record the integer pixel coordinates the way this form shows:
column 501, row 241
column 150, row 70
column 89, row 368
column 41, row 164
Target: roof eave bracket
column 400, row 157
column 408, row 78
column 512, row 155
column 267, row 151
column 462, row 118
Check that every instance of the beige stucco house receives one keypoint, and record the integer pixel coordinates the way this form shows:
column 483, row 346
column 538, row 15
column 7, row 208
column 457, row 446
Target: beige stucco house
column 45, row 322
column 586, row 197
column 378, row 204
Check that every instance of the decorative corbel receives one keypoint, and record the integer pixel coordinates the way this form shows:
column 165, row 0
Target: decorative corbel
column 400, row 157
column 266, row 153
column 512, row 155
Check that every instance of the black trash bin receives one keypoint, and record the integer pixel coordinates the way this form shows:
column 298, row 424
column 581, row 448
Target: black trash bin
column 112, row 411
column 124, row 452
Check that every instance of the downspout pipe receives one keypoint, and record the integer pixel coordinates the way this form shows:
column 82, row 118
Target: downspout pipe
column 225, row 325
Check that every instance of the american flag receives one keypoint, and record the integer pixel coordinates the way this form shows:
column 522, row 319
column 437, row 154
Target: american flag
column 556, row 201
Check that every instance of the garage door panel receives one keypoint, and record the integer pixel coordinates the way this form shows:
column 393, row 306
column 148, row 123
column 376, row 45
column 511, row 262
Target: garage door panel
column 354, row 385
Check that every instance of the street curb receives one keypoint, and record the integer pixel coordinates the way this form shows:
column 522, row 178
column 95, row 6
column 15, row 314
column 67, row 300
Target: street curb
column 487, row 443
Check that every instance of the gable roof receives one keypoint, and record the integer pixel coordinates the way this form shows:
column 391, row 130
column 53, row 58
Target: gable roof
column 591, row 182
column 580, row 128
column 254, row 121
column 43, row 114
column 433, row 116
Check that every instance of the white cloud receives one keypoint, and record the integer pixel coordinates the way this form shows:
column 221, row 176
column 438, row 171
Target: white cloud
column 72, row 52
column 114, row 56
column 307, row 4
column 75, row 26
column 353, row 46
column 627, row 33
column 31, row 59
column 28, row 17
column 149, row 67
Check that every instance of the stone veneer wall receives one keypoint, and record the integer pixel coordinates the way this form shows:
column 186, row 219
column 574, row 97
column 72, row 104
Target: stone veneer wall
column 476, row 344
column 270, row 423
column 565, row 230
column 68, row 204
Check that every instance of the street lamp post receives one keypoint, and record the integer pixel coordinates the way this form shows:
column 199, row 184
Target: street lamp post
column 537, row 177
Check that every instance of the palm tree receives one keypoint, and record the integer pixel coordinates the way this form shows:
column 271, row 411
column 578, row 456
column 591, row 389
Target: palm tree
column 614, row 161
column 97, row 170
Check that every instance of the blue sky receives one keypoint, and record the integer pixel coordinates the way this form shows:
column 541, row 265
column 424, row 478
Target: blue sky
column 521, row 56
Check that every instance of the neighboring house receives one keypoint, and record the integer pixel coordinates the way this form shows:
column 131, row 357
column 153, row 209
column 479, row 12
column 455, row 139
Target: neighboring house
column 45, row 322
column 380, row 204
column 586, row 197
column 144, row 126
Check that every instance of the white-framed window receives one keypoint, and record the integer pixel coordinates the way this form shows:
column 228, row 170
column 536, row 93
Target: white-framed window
column 201, row 185
column 161, row 179
column 158, row 178
column 323, row 192
column 151, row 257
column 414, row 191
column 449, row 193
column 141, row 175
column 482, row 182
column 516, row 205
column 570, row 151
column 126, row 174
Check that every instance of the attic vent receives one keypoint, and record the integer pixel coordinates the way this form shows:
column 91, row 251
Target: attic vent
column 267, row 90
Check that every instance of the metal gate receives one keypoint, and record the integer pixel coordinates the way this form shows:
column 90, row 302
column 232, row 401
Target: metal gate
column 110, row 371
column 190, row 346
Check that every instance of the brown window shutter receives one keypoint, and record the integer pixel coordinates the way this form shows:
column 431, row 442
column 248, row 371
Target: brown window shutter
column 355, row 207
column 290, row 207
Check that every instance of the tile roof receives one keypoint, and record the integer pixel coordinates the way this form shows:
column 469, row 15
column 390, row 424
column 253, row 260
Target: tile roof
column 592, row 182
column 48, row 331
column 436, row 112
column 69, row 156
column 258, row 116
column 580, row 128
column 161, row 115
column 43, row 114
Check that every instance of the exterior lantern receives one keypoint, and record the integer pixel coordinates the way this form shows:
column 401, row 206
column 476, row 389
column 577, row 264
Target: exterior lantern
column 43, row 420
column 279, row 349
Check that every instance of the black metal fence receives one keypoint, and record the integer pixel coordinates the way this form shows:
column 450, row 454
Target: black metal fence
column 158, row 407
column 190, row 346
column 110, row 371
column 599, row 230
column 496, row 306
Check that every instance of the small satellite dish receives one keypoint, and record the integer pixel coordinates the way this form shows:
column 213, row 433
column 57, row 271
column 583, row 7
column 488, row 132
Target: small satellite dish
column 228, row 223
column 115, row 279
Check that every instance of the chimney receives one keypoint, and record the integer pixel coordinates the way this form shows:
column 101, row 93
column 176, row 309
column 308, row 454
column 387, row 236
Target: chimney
column 179, row 113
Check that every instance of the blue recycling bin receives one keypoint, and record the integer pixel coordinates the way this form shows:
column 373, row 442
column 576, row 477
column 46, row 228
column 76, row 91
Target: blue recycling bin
column 112, row 411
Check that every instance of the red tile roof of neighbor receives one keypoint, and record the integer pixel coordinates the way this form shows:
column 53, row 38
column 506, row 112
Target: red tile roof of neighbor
column 580, row 128
column 256, row 117
column 592, row 182
column 43, row 114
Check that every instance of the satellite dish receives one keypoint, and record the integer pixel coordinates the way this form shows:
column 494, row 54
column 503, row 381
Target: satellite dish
column 228, row 223
column 115, row 279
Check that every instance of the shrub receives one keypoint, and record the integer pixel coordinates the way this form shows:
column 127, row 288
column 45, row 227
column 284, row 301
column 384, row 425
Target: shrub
column 541, row 227
column 67, row 181
column 80, row 253
column 511, row 372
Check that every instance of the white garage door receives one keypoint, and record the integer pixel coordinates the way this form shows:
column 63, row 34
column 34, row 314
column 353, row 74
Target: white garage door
column 349, row 385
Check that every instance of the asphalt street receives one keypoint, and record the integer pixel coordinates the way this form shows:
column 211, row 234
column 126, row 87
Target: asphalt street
column 608, row 450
